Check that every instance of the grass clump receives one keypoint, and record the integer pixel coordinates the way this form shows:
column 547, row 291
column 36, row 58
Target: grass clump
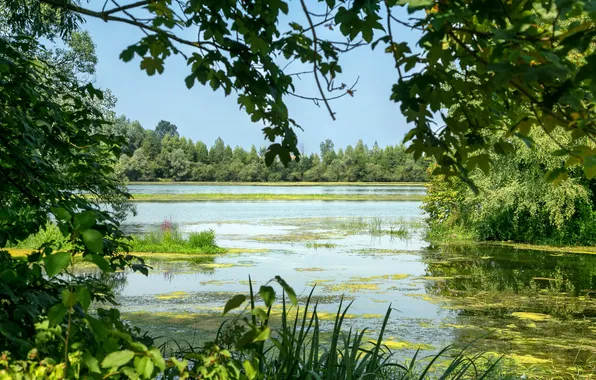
column 169, row 240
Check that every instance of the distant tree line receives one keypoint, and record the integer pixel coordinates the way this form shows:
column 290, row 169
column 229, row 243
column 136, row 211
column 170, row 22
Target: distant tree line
column 157, row 154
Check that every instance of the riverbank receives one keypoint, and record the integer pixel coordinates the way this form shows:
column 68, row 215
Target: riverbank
column 271, row 197
column 291, row 184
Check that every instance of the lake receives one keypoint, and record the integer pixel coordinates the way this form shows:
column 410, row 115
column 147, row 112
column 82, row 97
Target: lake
column 537, row 307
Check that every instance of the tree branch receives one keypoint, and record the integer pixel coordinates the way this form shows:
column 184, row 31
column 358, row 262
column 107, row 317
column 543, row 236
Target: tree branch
column 315, row 68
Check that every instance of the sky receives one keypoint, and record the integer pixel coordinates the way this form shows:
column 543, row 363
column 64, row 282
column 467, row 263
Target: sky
column 202, row 114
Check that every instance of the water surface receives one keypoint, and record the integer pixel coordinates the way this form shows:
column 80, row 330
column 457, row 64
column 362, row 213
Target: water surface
column 537, row 307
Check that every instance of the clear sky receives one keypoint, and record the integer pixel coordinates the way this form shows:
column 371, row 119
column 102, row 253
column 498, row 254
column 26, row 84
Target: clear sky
column 202, row 114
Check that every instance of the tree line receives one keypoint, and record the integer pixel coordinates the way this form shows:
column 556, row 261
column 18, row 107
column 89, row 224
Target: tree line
column 151, row 155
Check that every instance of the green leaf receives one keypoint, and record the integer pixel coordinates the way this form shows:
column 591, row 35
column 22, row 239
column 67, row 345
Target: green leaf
column 84, row 220
column 590, row 166
column 259, row 313
column 234, row 303
column 556, row 176
column 61, row 213
column 144, row 367
column 56, row 262
column 267, row 293
column 98, row 260
column 128, row 53
column 158, row 359
column 263, row 334
column 93, row 240
column 56, row 314
column 91, row 362
column 250, row 370
column 288, row 289
column 117, row 359
column 84, row 297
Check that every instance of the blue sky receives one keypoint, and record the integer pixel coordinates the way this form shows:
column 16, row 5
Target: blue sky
column 202, row 114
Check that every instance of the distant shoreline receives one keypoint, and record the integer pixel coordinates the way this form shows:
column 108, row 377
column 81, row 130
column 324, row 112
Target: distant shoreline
column 208, row 197
column 281, row 184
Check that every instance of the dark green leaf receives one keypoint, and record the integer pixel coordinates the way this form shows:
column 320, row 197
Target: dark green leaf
column 234, row 303
column 267, row 293
column 93, row 240
column 56, row 262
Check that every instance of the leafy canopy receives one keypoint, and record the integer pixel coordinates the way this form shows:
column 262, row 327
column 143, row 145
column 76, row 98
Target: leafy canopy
column 524, row 63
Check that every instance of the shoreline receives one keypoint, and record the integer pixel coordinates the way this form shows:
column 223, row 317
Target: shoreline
column 208, row 197
column 279, row 184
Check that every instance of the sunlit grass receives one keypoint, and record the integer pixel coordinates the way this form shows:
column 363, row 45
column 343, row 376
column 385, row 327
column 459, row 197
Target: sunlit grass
column 172, row 241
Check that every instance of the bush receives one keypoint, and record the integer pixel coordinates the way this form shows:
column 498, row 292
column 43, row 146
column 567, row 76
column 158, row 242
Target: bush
column 515, row 202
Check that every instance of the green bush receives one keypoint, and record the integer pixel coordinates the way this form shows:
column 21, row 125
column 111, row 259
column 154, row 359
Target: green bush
column 515, row 202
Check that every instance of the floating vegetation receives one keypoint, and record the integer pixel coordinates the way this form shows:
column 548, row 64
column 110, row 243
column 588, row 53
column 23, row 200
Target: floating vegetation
column 310, row 269
column 172, row 295
column 350, row 287
column 319, row 281
column 393, row 344
column 532, row 316
column 395, row 277
column 426, row 297
column 320, row 245
column 379, row 251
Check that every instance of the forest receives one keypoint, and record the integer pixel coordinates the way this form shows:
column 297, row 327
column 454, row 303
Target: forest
column 159, row 154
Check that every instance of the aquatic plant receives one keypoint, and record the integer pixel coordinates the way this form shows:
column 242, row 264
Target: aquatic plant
column 171, row 240
column 315, row 245
column 301, row 349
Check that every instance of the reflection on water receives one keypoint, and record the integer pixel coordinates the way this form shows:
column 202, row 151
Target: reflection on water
column 537, row 307
column 267, row 189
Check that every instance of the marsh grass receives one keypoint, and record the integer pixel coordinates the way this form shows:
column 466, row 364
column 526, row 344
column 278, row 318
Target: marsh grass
column 48, row 234
column 300, row 348
column 172, row 241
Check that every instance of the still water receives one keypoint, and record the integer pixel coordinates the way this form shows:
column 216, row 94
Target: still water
column 536, row 307
column 268, row 189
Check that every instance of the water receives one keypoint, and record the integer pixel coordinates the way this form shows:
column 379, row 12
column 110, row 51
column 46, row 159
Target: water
column 538, row 307
column 277, row 189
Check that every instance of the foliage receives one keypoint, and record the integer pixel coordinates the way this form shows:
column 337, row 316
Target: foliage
column 517, row 201
column 181, row 159
column 171, row 240
column 302, row 349
column 505, row 67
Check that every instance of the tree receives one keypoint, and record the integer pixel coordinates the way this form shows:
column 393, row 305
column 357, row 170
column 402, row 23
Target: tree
column 57, row 164
column 506, row 67
column 165, row 128
column 517, row 203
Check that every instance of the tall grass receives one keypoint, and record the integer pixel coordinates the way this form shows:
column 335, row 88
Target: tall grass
column 50, row 233
column 172, row 241
column 301, row 349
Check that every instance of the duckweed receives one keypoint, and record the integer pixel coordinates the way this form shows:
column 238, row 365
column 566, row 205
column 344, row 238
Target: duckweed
column 172, row 295
column 532, row 316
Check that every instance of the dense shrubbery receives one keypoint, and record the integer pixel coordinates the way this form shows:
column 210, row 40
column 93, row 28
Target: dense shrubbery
column 516, row 202
column 162, row 154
